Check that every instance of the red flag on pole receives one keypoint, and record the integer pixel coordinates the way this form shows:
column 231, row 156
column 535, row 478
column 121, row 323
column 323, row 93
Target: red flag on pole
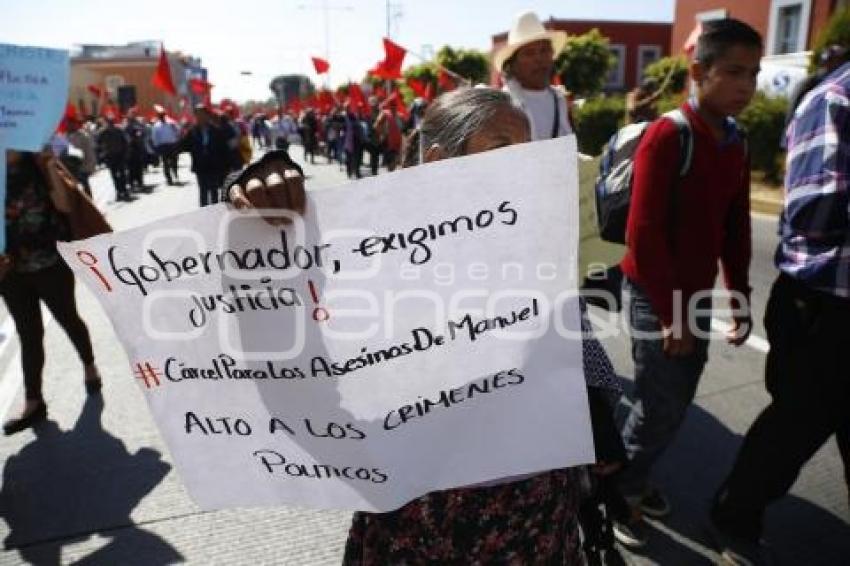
column 446, row 81
column 321, row 65
column 418, row 87
column 200, row 87
column 356, row 97
column 691, row 41
column 162, row 77
column 390, row 67
column 325, row 101
column 95, row 90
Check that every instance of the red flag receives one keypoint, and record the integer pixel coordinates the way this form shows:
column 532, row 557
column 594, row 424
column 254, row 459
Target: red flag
column 357, row 99
column 691, row 41
column 95, row 90
column 390, row 67
column 162, row 77
column 199, row 86
column 70, row 115
column 446, row 81
column 396, row 100
column 320, row 65
column 379, row 92
column 418, row 87
column 325, row 101
column 429, row 92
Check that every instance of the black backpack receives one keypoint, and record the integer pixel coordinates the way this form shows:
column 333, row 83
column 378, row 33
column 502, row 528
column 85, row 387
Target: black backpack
column 616, row 171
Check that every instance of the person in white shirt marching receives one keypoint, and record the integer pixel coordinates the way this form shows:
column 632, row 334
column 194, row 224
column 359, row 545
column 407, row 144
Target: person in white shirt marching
column 164, row 135
column 526, row 63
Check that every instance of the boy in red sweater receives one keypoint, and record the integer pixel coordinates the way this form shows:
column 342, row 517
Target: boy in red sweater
column 678, row 229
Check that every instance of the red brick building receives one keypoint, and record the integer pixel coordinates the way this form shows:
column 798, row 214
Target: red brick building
column 635, row 44
column 787, row 26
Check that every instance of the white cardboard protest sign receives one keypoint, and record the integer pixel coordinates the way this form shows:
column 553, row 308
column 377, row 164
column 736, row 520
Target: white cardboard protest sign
column 417, row 331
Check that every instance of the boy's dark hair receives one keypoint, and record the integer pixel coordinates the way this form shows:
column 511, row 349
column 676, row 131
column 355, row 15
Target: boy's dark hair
column 719, row 35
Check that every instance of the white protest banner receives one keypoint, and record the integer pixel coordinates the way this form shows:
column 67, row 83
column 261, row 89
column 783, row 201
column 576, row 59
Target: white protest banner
column 33, row 91
column 417, row 331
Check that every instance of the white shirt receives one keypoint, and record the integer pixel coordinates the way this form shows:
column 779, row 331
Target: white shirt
column 162, row 133
column 539, row 107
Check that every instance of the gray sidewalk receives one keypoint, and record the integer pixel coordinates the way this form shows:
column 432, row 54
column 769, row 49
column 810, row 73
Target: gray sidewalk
column 97, row 485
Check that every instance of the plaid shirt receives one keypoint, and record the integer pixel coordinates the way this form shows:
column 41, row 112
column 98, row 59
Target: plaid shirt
column 815, row 225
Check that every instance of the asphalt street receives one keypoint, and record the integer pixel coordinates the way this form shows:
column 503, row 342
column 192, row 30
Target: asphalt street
column 96, row 485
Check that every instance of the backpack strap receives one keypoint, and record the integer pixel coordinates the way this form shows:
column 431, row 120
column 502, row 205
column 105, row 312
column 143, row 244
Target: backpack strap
column 556, row 123
column 686, row 139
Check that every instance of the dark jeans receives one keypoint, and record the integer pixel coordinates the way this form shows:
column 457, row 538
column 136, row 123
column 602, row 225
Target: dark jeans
column 136, row 169
column 118, row 170
column 374, row 152
column 807, row 377
column 352, row 163
column 23, row 293
column 664, row 388
column 210, row 185
column 169, row 162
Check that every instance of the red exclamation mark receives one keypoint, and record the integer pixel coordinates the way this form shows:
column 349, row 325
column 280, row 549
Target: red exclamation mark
column 89, row 260
column 320, row 314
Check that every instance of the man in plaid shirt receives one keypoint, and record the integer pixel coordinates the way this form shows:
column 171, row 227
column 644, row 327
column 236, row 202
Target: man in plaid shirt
column 807, row 322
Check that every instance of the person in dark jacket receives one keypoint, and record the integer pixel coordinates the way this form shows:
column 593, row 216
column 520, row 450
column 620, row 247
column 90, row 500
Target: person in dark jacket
column 207, row 142
column 113, row 146
column 136, row 153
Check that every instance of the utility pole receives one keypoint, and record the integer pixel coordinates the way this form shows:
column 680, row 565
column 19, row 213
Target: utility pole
column 325, row 7
column 391, row 15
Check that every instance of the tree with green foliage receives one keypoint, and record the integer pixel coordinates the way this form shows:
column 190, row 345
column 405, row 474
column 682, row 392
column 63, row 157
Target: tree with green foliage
column 471, row 64
column 674, row 67
column 764, row 121
column 584, row 63
column 836, row 32
column 597, row 120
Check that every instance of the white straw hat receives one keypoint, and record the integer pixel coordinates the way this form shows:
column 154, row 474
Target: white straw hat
column 527, row 29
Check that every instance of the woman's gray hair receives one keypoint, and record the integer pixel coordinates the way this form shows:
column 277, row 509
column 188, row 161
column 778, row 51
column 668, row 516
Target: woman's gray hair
column 452, row 118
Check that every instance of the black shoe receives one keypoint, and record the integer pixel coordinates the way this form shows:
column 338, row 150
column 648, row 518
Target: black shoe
column 31, row 419
column 126, row 198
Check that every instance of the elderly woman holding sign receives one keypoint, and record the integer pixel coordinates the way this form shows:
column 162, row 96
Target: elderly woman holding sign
column 531, row 519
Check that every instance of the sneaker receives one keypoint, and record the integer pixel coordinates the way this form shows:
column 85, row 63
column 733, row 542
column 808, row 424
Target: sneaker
column 654, row 504
column 632, row 534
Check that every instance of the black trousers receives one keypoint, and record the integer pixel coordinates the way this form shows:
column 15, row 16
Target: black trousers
column 210, row 184
column 808, row 379
column 136, row 169
column 169, row 162
column 23, row 293
column 118, row 170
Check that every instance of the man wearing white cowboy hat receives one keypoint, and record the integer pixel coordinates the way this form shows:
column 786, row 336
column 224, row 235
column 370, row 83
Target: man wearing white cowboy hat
column 526, row 64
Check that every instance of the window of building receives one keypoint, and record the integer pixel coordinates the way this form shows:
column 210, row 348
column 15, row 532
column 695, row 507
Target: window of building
column 647, row 55
column 788, row 30
column 617, row 75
